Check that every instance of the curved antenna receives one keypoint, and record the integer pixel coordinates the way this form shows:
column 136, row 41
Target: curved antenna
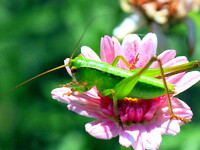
column 56, row 68
column 81, row 37
column 77, row 44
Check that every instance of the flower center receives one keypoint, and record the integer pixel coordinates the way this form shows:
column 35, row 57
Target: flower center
column 132, row 110
column 131, row 100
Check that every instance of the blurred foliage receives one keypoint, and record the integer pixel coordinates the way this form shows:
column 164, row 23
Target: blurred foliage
column 38, row 35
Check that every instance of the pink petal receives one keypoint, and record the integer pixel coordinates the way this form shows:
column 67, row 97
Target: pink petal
column 66, row 61
column 170, row 127
column 117, row 47
column 107, row 50
column 106, row 112
column 187, row 81
column 175, row 78
column 89, row 53
column 129, row 135
column 149, row 115
column 58, row 94
column 181, row 109
column 177, row 103
column 162, row 118
column 141, row 142
column 167, row 126
column 153, row 136
column 102, row 129
column 118, row 51
column 130, row 46
column 88, row 111
column 93, row 93
column 176, row 61
column 164, row 57
column 146, row 49
column 65, row 95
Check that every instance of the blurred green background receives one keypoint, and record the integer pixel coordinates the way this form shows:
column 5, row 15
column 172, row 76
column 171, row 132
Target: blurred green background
column 37, row 35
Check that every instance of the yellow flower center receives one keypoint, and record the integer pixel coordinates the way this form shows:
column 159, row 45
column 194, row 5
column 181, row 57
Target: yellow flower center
column 131, row 100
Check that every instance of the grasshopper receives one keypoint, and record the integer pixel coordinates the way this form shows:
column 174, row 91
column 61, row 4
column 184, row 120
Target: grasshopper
column 117, row 83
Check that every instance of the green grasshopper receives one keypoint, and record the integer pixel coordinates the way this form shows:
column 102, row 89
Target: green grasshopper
column 117, row 83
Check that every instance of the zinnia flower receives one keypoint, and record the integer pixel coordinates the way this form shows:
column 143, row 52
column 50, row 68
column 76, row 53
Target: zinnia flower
column 159, row 11
column 143, row 120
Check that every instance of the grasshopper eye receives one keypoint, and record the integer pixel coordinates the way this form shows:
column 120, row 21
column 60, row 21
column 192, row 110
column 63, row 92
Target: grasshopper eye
column 74, row 70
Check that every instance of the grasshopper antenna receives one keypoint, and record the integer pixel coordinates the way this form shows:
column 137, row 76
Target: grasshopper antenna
column 84, row 31
column 59, row 67
column 56, row 68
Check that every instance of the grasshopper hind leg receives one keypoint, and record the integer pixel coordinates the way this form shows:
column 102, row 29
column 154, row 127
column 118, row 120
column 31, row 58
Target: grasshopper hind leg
column 172, row 114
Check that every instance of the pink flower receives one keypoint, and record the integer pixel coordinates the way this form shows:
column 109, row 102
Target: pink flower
column 144, row 121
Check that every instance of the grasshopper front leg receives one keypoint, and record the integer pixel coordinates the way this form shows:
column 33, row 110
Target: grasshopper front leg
column 77, row 87
column 120, row 57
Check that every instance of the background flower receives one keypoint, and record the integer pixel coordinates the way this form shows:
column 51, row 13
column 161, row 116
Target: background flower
column 160, row 17
column 162, row 11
